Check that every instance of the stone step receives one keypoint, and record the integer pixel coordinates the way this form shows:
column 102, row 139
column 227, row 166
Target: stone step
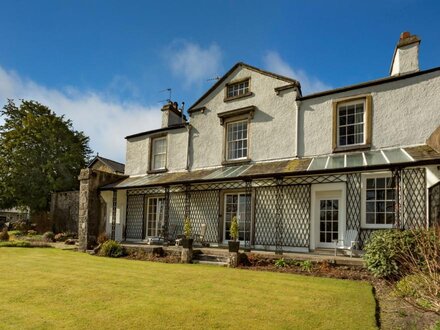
column 214, row 263
column 210, row 258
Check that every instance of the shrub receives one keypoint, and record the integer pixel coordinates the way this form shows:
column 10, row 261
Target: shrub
column 48, row 236
column 306, row 265
column 111, row 249
column 60, row 237
column 233, row 230
column 384, row 252
column 21, row 225
column 421, row 264
column 32, row 232
column 71, row 234
column 102, row 238
column 280, row 263
column 4, row 236
column 187, row 231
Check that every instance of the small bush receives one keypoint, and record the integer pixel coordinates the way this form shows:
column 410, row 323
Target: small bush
column 71, row 234
column 15, row 233
column 384, row 252
column 60, row 237
column 187, row 230
column 111, row 249
column 280, row 263
column 102, row 238
column 4, row 236
column 306, row 266
column 32, row 232
column 21, row 225
column 48, row 236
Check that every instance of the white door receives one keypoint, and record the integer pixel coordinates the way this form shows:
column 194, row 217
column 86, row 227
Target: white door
column 329, row 219
column 235, row 205
column 328, row 214
column 155, row 216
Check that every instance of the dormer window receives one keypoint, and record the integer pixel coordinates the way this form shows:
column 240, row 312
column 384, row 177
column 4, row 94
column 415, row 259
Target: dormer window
column 237, row 89
column 352, row 123
column 158, row 153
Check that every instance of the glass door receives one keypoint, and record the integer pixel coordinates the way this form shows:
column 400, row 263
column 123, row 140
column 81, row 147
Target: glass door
column 235, row 205
column 328, row 221
column 155, row 216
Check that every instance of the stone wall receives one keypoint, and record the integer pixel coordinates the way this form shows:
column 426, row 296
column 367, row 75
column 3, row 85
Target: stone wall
column 91, row 221
column 64, row 210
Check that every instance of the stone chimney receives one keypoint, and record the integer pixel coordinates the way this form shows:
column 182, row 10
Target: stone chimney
column 171, row 115
column 406, row 55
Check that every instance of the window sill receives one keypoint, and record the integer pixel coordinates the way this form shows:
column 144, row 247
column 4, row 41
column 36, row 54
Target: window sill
column 163, row 170
column 233, row 98
column 352, row 148
column 236, row 162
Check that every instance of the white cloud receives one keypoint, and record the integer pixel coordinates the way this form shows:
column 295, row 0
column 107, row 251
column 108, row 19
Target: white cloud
column 105, row 122
column 194, row 63
column 309, row 84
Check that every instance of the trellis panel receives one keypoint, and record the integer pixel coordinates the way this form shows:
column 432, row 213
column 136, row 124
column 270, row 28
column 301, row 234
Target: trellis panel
column 265, row 216
column 205, row 210
column 296, row 215
column 135, row 216
column 413, row 198
column 176, row 213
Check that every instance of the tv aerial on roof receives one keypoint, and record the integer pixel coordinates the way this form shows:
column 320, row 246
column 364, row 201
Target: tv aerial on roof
column 168, row 100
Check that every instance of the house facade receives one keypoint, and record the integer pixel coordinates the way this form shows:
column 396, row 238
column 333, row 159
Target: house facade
column 296, row 170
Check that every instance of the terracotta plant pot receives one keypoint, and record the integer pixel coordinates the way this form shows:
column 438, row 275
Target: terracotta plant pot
column 234, row 246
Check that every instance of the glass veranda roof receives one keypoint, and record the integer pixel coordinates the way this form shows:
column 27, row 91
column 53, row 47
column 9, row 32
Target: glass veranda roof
column 359, row 159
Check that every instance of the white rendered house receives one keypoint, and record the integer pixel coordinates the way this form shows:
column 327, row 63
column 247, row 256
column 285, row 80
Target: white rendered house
column 297, row 170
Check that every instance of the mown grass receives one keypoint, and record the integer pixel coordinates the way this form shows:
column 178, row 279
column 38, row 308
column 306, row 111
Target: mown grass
column 54, row 289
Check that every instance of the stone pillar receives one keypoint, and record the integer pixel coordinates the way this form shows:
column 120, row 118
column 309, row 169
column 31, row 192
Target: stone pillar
column 233, row 259
column 89, row 204
column 186, row 256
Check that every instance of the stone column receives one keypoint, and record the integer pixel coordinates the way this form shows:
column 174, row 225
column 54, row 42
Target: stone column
column 186, row 256
column 89, row 204
column 83, row 209
column 233, row 259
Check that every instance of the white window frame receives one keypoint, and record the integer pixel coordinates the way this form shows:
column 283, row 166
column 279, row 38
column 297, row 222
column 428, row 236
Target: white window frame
column 239, row 219
column 154, row 154
column 364, row 122
column 237, row 89
column 227, row 141
column 364, row 178
column 159, row 217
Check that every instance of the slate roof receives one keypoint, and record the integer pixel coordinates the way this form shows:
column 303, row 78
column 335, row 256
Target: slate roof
column 115, row 166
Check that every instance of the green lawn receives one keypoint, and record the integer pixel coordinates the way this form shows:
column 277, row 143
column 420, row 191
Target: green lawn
column 54, row 289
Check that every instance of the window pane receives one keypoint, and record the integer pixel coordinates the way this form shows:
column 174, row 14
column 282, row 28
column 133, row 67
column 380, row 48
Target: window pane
column 237, row 140
column 350, row 124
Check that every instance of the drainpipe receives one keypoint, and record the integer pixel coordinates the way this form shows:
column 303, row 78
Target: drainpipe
column 188, row 127
column 298, row 104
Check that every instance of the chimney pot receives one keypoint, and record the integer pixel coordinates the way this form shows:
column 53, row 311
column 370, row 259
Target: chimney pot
column 405, row 35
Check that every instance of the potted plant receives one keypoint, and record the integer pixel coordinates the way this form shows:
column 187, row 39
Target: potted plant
column 187, row 231
column 233, row 244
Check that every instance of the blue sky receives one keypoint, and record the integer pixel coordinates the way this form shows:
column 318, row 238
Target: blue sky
column 104, row 63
